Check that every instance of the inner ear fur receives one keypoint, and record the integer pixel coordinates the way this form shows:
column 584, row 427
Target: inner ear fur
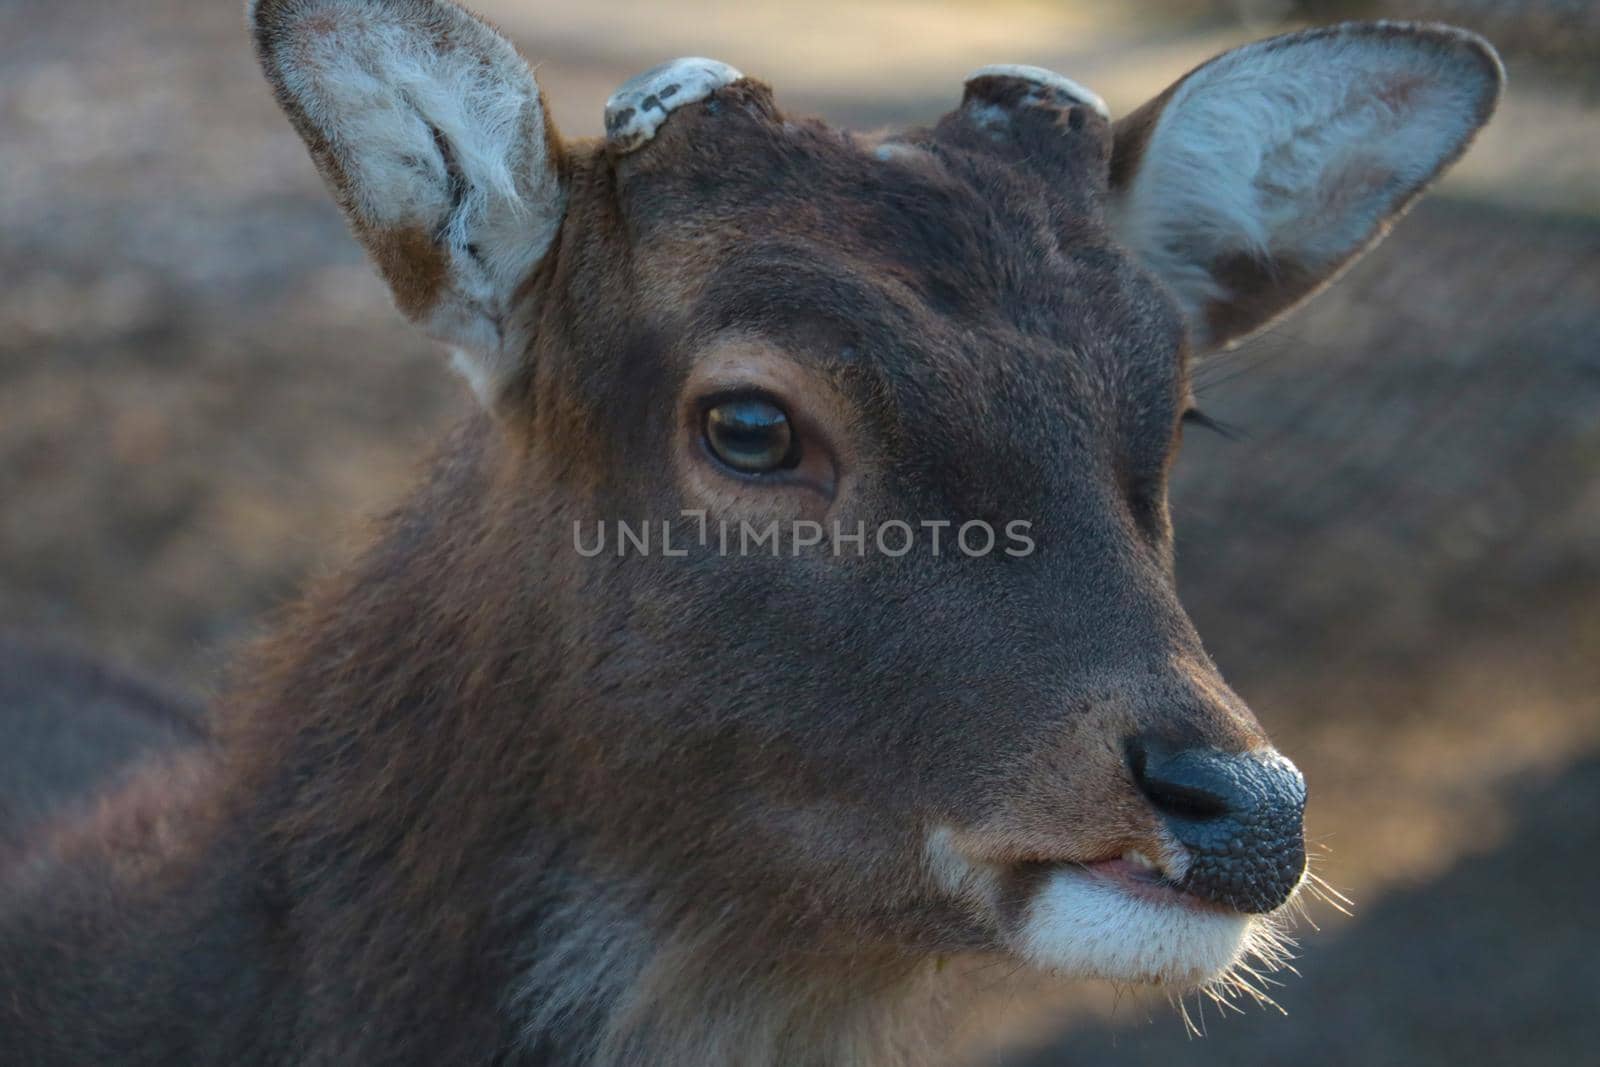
column 432, row 134
column 1255, row 179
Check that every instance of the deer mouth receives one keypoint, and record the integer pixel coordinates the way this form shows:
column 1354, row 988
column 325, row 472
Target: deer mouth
column 1131, row 873
column 1122, row 918
column 1138, row 876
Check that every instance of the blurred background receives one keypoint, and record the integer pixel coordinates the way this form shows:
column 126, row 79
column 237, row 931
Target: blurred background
column 1397, row 560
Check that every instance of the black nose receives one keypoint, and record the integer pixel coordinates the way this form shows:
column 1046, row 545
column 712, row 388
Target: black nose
column 1240, row 818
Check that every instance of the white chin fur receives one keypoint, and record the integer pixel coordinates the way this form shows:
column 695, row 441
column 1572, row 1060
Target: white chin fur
column 1083, row 926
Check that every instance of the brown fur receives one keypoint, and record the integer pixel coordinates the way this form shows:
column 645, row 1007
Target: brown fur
column 413, row 265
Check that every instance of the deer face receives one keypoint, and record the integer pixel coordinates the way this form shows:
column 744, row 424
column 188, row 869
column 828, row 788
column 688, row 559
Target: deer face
column 889, row 660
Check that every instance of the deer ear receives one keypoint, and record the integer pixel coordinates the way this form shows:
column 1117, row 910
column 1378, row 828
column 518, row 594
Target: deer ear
column 1253, row 180
column 431, row 132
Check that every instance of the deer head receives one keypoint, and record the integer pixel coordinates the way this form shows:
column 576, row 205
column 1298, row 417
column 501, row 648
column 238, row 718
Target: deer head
column 720, row 317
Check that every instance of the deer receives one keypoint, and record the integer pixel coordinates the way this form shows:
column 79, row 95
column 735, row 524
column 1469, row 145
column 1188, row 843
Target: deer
column 484, row 798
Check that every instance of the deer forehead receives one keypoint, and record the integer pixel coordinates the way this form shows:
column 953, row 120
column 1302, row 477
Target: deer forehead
column 792, row 217
column 958, row 278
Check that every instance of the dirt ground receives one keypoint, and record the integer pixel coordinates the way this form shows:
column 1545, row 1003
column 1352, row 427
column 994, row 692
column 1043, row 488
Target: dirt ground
column 1397, row 561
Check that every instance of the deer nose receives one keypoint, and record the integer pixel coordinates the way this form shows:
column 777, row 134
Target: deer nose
column 1239, row 816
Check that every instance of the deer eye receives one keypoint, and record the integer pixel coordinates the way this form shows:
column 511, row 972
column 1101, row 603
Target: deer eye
column 751, row 435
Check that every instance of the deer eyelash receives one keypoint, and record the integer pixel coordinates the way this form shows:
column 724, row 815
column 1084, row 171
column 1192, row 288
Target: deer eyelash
column 1196, row 417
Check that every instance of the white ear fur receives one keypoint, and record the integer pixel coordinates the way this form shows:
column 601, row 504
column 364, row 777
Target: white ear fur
column 430, row 129
column 1252, row 181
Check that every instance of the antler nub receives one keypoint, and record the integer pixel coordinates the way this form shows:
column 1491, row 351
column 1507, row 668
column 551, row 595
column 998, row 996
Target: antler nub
column 637, row 110
column 1046, row 79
